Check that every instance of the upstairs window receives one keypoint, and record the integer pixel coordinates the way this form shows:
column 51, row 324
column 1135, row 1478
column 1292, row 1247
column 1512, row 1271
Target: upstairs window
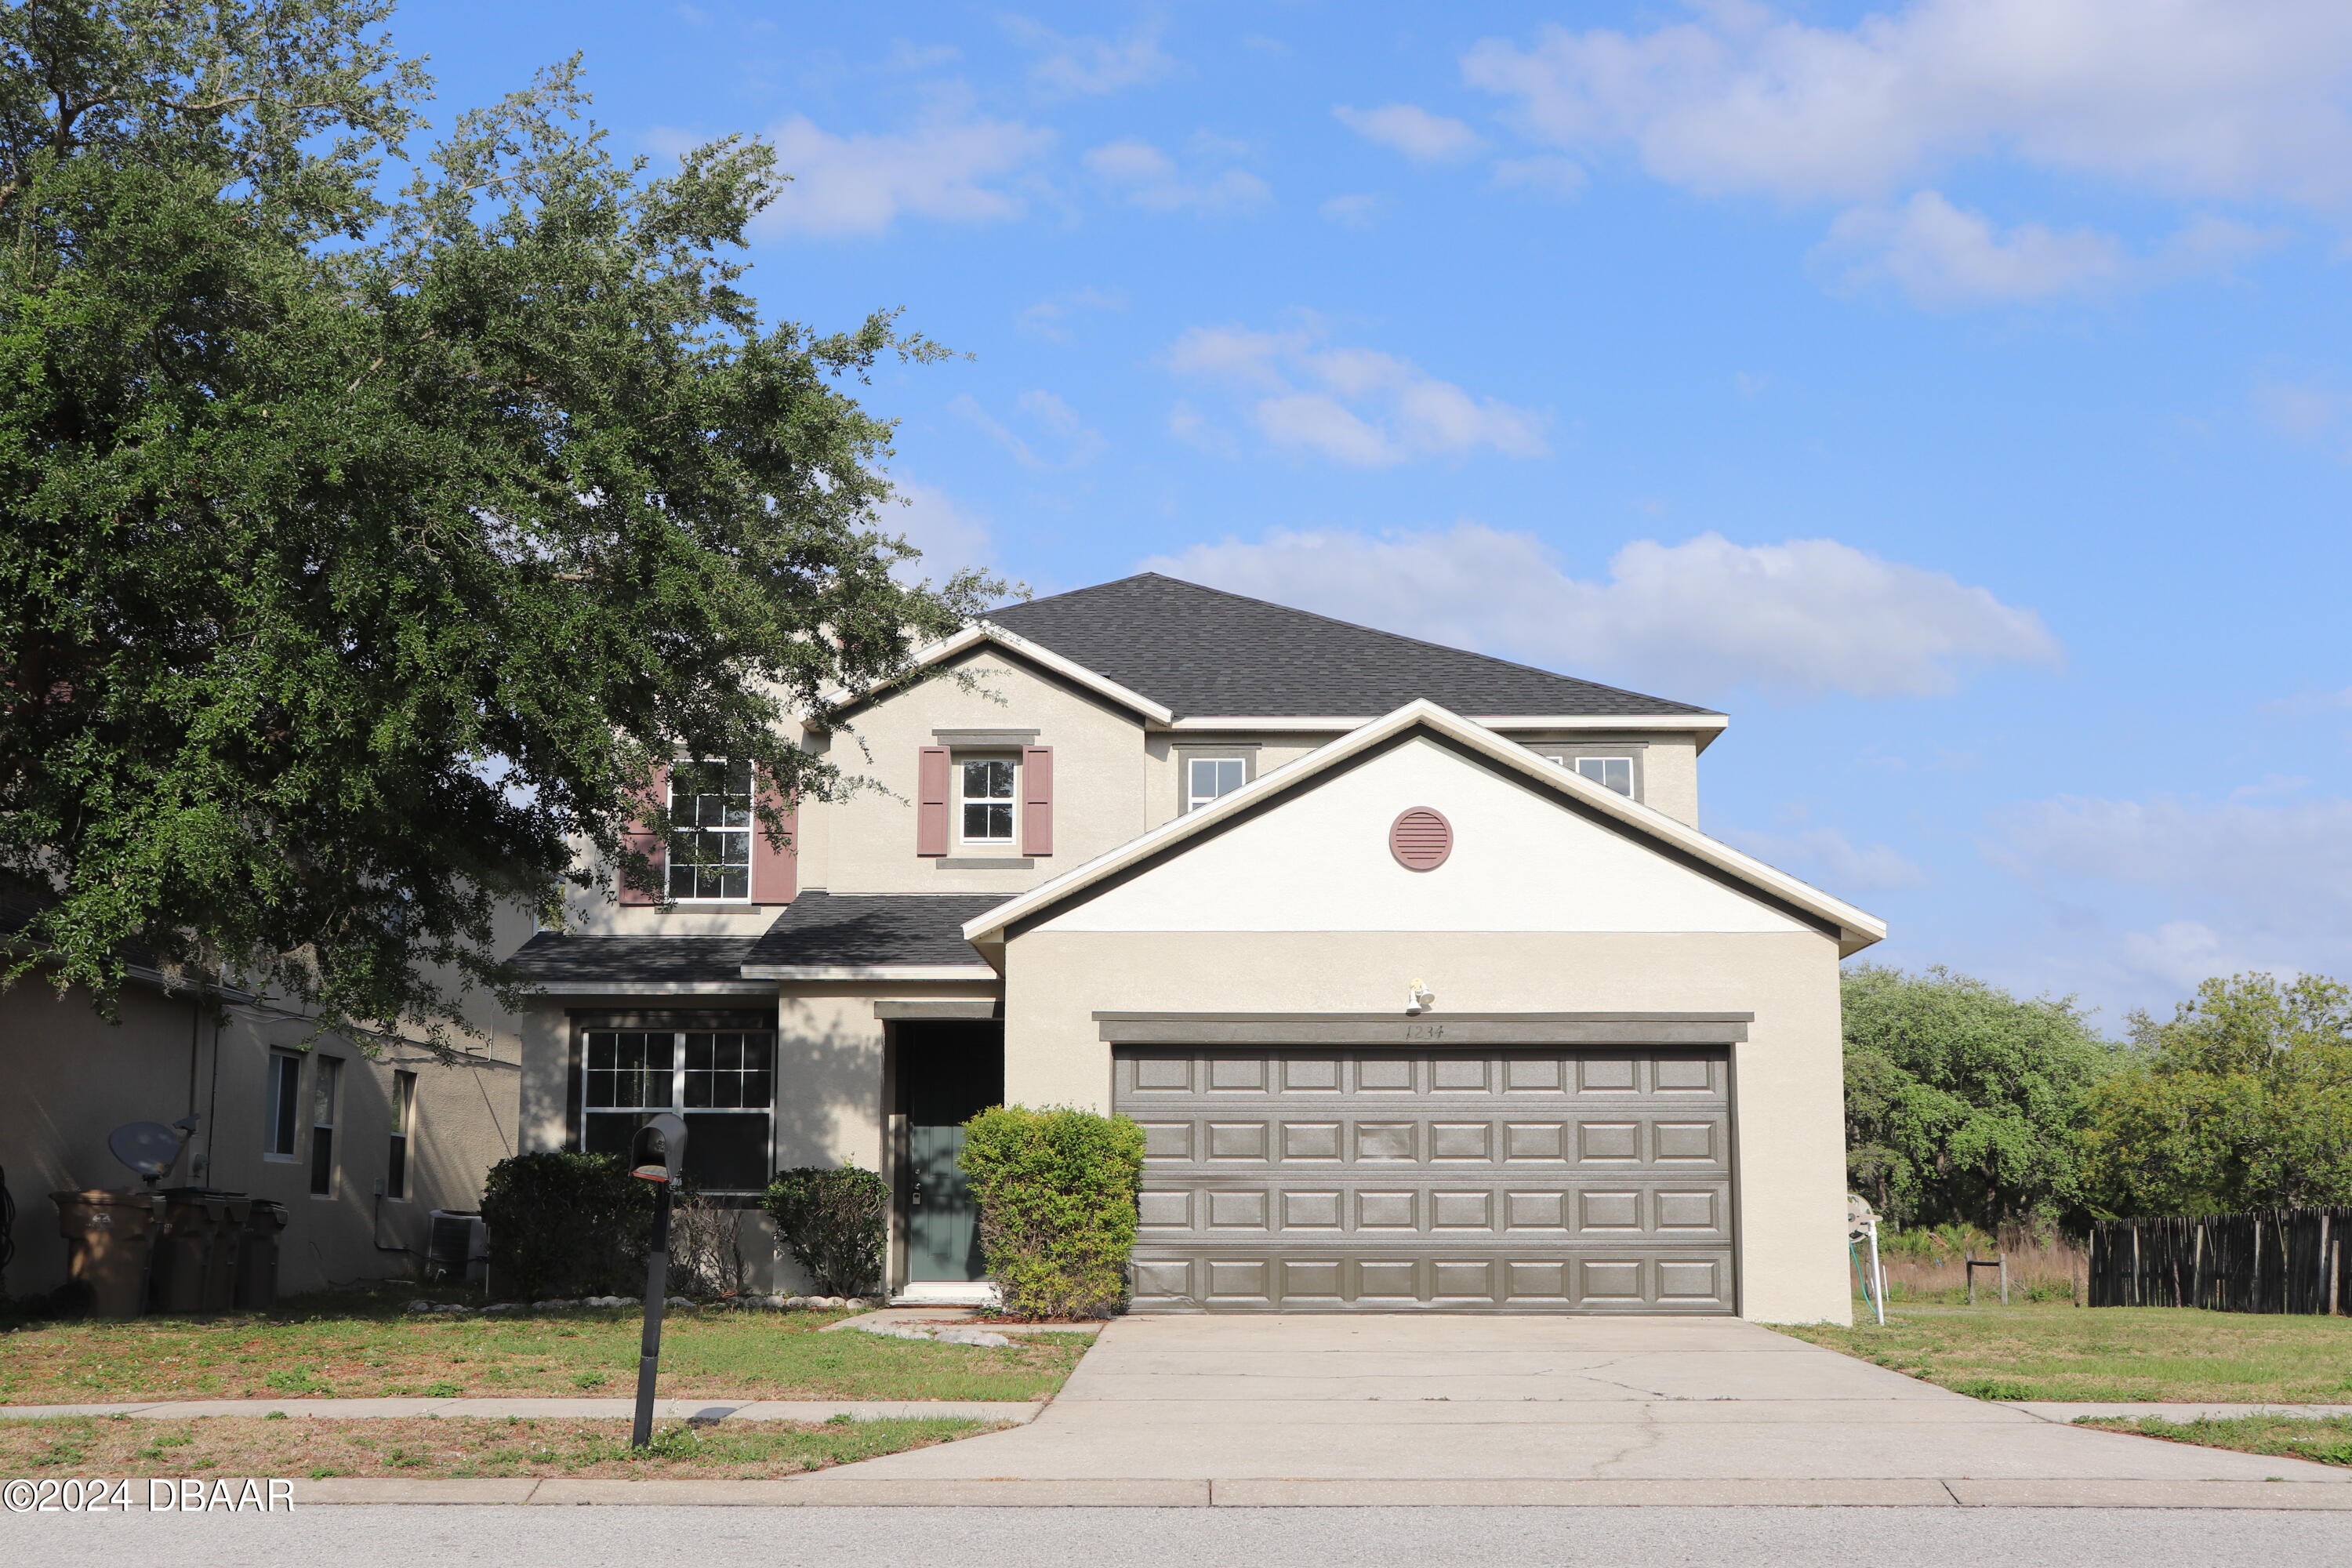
column 1206, row 778
column 987, row 799
column 324, row 1083
column 404, row 1113
column 1609, row 773
column 285, row 1105
column 710, row 831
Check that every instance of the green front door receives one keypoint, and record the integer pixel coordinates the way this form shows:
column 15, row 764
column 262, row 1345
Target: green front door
column 950, row 1072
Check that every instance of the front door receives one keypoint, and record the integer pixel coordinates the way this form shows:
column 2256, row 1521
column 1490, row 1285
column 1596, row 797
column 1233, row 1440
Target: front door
column 948, row 1073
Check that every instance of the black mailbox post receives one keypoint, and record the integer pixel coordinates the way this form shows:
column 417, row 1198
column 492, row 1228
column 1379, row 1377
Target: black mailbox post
column 657, row 1155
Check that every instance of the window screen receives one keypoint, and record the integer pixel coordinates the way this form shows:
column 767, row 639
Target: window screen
column 710, row 830
column 1206, row 778
column 723, row 1081
column 988, row 801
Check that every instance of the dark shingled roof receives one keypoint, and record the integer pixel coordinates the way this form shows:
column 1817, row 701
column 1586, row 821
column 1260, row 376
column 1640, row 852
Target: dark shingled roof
column 550, row 957
column 873, row 927
column 1204, row 652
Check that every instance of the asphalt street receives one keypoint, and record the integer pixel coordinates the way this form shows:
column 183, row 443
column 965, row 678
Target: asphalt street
column 404, row 1537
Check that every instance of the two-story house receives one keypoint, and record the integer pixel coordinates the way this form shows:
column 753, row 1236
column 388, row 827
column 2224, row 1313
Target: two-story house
column 1413, row 964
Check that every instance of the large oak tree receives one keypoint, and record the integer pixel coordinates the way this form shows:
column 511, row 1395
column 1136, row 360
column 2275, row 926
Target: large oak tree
column 367, row 545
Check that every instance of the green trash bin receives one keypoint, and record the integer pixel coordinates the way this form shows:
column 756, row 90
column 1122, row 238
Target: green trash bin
column 110, row 1245
column 257, row 1260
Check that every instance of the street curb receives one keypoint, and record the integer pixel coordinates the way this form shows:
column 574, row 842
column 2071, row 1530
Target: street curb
column 834, row 1489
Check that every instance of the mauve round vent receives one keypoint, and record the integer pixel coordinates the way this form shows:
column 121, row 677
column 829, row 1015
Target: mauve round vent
column 1421, row 839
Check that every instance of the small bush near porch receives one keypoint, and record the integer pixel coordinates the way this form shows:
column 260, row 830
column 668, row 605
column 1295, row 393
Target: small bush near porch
column 1056, row 1193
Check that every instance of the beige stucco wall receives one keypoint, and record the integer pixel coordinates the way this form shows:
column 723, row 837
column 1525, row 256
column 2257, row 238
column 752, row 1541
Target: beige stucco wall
column 1787, row 1077
column 68, row 1078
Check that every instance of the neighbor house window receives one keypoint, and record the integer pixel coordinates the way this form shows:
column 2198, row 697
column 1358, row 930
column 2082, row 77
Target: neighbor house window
column 1609, row 773
column 987, row 784
column 723, row 1081
column 1206, row 778
column 324, row 1082
column 403, row 1111
column 710, row 830
column 285, row 1105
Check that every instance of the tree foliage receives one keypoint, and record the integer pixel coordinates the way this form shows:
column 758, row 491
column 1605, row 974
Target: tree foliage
column 367, row 550
column 2241, row 1100
column 1963, row 1103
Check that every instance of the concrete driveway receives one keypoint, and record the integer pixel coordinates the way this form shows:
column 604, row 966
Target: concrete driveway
column 1446, row 1409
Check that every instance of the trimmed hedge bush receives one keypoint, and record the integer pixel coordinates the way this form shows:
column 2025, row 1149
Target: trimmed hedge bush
column 835, row 1222
column 1056, row 1191
column 565, row 1224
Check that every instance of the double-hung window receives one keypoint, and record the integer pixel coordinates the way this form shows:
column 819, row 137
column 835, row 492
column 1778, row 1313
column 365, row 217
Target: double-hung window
column 285, row 1105
column 710, row 831
column 325, row 1079
column 403, row 1115
column 985, row 788
column 1206, row 778
column 721, row 1081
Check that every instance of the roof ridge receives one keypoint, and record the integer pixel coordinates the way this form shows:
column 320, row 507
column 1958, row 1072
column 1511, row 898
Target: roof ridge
column 1666, row 702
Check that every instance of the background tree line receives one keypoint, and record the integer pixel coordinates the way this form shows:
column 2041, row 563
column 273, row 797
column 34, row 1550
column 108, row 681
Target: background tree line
column 1967, row 1105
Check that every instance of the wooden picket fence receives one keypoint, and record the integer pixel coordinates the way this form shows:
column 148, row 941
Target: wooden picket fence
column 2277, row 1260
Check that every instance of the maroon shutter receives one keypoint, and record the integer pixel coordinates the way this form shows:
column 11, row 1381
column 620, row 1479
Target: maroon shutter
column 932, row 801
column 1037, row 800
column 650, row 843
column 775, row 873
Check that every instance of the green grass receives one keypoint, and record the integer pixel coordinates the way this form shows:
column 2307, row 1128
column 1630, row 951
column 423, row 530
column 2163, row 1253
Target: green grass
column 351, row 1344
column 2326, row 1441
column 456, row 1448
column 2119, row 1354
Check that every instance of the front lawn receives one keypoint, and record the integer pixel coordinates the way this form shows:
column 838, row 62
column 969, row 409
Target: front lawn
column 359, row 1345
column 2326, row 1440
column 2109, row 1355
column 427, row 1447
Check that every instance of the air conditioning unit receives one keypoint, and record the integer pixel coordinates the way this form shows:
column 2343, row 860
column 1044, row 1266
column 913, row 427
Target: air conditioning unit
column 457, row 1246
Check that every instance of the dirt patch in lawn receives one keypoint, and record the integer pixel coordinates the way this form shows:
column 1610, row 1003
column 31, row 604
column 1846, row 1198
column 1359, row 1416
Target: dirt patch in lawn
column 2109, row 1355
column 427, row 1447
column 361, row 1346
column 2326, row 1441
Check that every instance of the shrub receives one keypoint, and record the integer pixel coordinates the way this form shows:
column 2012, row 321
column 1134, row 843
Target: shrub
column 834, row 1222
column 1056, row 1191
column 565, row 1224
column 705, row 1249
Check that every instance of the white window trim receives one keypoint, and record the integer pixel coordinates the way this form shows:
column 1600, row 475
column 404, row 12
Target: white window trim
column 677, row 1069
column 271, row 1106
column 751, row 850
column 1185, row 801
column 957, row 759
column 1567, row 757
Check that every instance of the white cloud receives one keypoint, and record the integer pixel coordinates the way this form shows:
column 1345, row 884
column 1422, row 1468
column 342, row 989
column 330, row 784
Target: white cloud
column 1940, row 255
column 1842, row 865
column 1699, row 619
column 1151, row 180
column 1356, row 406
column 950, row 536
column 1050, row 318
column 951, row 169
column 2230, row 99
column 1423, row 137
column 1546, row 172
column 1360, row 211
column 1055, row 425
column 1090, row 67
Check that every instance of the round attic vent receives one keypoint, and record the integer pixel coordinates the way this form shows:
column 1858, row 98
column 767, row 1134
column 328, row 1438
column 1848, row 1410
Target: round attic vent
column 1421, row 839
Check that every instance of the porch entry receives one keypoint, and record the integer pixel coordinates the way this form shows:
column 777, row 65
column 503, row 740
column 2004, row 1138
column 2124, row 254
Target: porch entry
column 948, row 1072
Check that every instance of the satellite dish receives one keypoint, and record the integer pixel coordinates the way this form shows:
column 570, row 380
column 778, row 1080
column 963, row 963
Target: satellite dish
column 149, row 1148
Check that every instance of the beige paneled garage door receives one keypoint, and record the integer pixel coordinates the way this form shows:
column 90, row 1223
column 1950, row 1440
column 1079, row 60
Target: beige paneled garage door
column 1488, row 1179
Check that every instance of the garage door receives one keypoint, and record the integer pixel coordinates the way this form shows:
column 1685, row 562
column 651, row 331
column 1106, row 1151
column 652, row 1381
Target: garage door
column 1487, row 1180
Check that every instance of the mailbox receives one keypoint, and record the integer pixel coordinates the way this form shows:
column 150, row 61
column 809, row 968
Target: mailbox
column 657, row 1150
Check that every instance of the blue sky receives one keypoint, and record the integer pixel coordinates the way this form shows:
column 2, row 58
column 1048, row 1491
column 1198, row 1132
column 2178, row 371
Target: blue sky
column 1958, row 393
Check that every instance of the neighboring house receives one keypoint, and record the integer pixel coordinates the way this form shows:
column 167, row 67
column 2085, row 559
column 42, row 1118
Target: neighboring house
column 361, row 1144
column 1413, row 963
